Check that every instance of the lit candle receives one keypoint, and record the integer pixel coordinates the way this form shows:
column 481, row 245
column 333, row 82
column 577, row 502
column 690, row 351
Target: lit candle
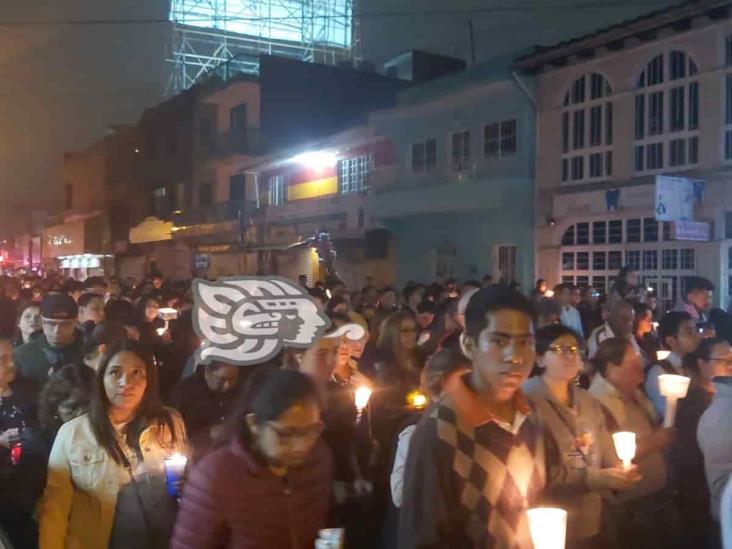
column 362, row 396
column 673, row 388
column 625, row 447
column 662, row 355
column 175, row 465
column 417, row 400
column 161, row 331
column 548, row 527
column 549, row 293
column 655, row 325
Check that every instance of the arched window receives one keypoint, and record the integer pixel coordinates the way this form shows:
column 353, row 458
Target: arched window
column 587, row 130
column 728, row 101
column 667, row 114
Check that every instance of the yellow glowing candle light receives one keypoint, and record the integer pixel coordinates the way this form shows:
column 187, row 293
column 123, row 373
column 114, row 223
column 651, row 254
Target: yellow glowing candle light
column 625, row 447
column 548, row 527
column 362, row 396
column 549, row 293
column 673, row 388
column 417, row 400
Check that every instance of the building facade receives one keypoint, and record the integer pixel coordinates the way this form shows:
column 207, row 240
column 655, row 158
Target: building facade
column 458, row 200
column 616, row 109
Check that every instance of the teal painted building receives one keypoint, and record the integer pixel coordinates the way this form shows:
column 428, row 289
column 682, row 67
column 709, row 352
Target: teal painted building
column 459, row 200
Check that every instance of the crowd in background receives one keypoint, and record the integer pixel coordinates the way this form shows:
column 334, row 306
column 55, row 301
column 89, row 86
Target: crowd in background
column 484, row 402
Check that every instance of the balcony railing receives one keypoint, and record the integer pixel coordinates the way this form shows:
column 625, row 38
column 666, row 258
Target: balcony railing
column 246, row 141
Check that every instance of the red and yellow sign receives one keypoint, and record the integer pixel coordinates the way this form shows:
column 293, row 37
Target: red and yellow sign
column 312, row 183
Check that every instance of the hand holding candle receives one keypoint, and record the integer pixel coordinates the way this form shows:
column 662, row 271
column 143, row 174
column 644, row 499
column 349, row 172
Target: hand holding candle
column 673, row 388
column 175, row 466
column 625, row 446
column 548, row 527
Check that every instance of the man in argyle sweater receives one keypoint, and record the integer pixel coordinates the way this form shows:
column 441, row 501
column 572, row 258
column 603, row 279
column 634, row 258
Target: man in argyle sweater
column 476, row 460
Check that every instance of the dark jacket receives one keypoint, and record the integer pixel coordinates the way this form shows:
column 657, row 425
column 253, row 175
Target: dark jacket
column 202, row 409
column 37, row 357
column 232, row 500
column 687, row 467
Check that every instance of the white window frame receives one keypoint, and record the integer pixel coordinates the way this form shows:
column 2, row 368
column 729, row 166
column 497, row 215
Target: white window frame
column 425, row 166
column 727, row 103
column 505, row 261
column 642, row 252
column 460, row 162
column 353, row 173
column 666, row 139
column 578, row 109
column 276, row 190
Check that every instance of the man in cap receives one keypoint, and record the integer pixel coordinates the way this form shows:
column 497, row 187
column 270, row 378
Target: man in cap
column 60, row 344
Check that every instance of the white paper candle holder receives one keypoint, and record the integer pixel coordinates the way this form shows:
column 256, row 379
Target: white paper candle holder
column 672, row 387
column 548, row 527
column 625, row 447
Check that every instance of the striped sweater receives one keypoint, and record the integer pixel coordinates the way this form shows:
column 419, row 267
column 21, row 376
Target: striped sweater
column 469, row 478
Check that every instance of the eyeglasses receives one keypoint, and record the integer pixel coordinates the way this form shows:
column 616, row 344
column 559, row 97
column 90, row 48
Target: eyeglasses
column 565, row 350
column 288, row 435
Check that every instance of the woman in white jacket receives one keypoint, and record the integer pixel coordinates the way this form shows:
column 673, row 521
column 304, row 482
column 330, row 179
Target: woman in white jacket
column 106, row 479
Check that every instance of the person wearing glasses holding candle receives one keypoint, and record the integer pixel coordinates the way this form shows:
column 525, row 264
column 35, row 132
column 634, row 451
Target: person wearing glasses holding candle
column 106, row 485
column 713, row 358
column 649, row 517
column 476, row 462
column 587, row 467
column 270, row 487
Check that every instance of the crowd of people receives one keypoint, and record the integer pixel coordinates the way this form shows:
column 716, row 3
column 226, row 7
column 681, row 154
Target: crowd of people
column 480, row 403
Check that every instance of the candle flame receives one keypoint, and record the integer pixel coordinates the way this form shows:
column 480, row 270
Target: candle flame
column 362, row 396
column 415, row 399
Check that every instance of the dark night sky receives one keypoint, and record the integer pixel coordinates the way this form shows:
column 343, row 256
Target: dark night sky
column 60, row 86
column 514, row 26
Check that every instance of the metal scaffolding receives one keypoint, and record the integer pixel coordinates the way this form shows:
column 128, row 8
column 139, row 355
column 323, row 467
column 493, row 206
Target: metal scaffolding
column 210, row 35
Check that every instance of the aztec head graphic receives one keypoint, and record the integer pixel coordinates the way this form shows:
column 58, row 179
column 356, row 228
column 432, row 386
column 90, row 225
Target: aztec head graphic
column 248, row 320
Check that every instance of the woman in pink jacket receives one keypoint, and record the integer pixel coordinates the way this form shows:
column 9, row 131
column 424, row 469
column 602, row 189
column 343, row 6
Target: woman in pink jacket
column 270, row 487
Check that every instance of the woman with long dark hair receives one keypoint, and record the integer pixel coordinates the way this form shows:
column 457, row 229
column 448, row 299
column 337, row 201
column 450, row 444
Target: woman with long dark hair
column 270, row 487
column 106, row 479
column 64, row 397
column 627, row 286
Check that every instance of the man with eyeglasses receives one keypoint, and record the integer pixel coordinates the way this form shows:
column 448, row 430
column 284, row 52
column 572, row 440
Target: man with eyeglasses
column 462, row 488
column 678, row 333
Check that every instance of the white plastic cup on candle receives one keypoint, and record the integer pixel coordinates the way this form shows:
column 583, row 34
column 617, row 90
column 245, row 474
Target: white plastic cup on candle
column 625, row 447
column 662, row 355
column 175, row 465
column 548, row 527
column 672, row 387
